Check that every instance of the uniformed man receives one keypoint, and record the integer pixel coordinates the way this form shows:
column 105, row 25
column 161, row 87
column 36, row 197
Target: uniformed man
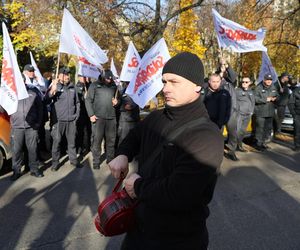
column 129, row 114
column 282, row 100
column 294, row 106
column 83, row 137
column 228, row 76
column 65, row 108
column 25, row 123
column 265, row 96
column 245, row 108
column 102, row 98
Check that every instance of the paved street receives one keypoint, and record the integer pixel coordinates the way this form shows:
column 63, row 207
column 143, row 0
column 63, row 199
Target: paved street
column 256, row 205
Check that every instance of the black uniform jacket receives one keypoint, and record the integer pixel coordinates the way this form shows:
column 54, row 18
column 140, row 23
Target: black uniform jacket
column 175, row 190
column 30, row 111
column 262, row 107
column 99, row 100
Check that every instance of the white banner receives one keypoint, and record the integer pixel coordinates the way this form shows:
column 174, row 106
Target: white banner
column 113, row 68
column 148, row 80
column 266, row 68
column 76, row 41
column 131, row 63
column 39, row 77
column 235, row 37
column 86, row 69
column 12, row 86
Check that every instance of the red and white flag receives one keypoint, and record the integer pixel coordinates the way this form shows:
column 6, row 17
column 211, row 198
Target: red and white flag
column 12, row 86
column 131, row 63
column 87, row 69
column 237, row 38
column 147, row 82
column 76, row 41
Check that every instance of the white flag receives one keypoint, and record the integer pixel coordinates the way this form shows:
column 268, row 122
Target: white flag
column 12, row 86
column 75, row 40
column 237, row 38
column 266, row 68
column 147, row 81
column 87, row 69
column 37, row 72
column 113, row 68
column 131, row 63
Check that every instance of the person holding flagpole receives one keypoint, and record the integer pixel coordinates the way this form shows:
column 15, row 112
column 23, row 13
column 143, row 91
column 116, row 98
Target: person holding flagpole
column 65, row 110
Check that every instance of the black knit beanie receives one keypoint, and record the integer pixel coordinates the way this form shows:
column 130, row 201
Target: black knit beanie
column 187, row 65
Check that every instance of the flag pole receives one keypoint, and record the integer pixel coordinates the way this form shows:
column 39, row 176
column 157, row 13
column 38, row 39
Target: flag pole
column 57, row 67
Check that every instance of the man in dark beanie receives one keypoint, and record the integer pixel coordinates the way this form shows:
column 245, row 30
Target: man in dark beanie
column 180, row 151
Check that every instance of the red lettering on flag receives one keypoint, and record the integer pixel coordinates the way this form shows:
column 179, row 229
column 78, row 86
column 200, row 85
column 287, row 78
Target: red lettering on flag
column 8, row 76
column 144, row 75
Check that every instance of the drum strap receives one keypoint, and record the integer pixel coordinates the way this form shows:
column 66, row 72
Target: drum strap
column 171, row 137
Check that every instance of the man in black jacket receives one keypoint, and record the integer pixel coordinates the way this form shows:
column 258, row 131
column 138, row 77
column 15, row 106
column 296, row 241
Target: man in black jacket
column 25, row 123
column 174, row 188
column 217, row 101
column 101, row 100
column 83, row 136
column 294, row 106
column 65, row 109
column 282, row 100
column 129, row 114
column 265, row 96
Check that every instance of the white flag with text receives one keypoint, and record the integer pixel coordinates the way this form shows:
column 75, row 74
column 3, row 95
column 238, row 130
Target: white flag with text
column 76, row 41
column 147, row 82
column 131, row 63
column 113, row 68
column 87, row 69
column 12, row 86
column 237, row 38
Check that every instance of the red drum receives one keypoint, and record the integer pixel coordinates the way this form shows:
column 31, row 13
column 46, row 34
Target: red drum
column 116, row 213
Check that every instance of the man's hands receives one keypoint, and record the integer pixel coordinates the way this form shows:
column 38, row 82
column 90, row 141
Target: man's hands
column 271, row 99
column 129, row 184
column 53, row 89
column 93, row 118
column 114, row 101
column 119, row 165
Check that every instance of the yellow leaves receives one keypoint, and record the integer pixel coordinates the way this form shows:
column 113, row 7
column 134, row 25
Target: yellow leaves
column 186, row 36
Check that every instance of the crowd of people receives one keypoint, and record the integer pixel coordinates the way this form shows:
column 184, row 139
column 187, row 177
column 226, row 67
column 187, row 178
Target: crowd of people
column 179, row 148
column 82, row 115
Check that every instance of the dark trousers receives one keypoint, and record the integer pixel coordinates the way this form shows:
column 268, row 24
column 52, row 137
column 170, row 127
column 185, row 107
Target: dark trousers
column 263, row 129
column 242, row 124
column 29, row 136
column 124, row 128
column 137, row 240
column 83, row 137
column 101, row 128
column 231, row 128
column 297, row 131
column 278, row 118
column 69, row 130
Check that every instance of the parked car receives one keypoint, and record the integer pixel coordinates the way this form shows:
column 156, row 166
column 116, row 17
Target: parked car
column 5, row 148
column 287, row 123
